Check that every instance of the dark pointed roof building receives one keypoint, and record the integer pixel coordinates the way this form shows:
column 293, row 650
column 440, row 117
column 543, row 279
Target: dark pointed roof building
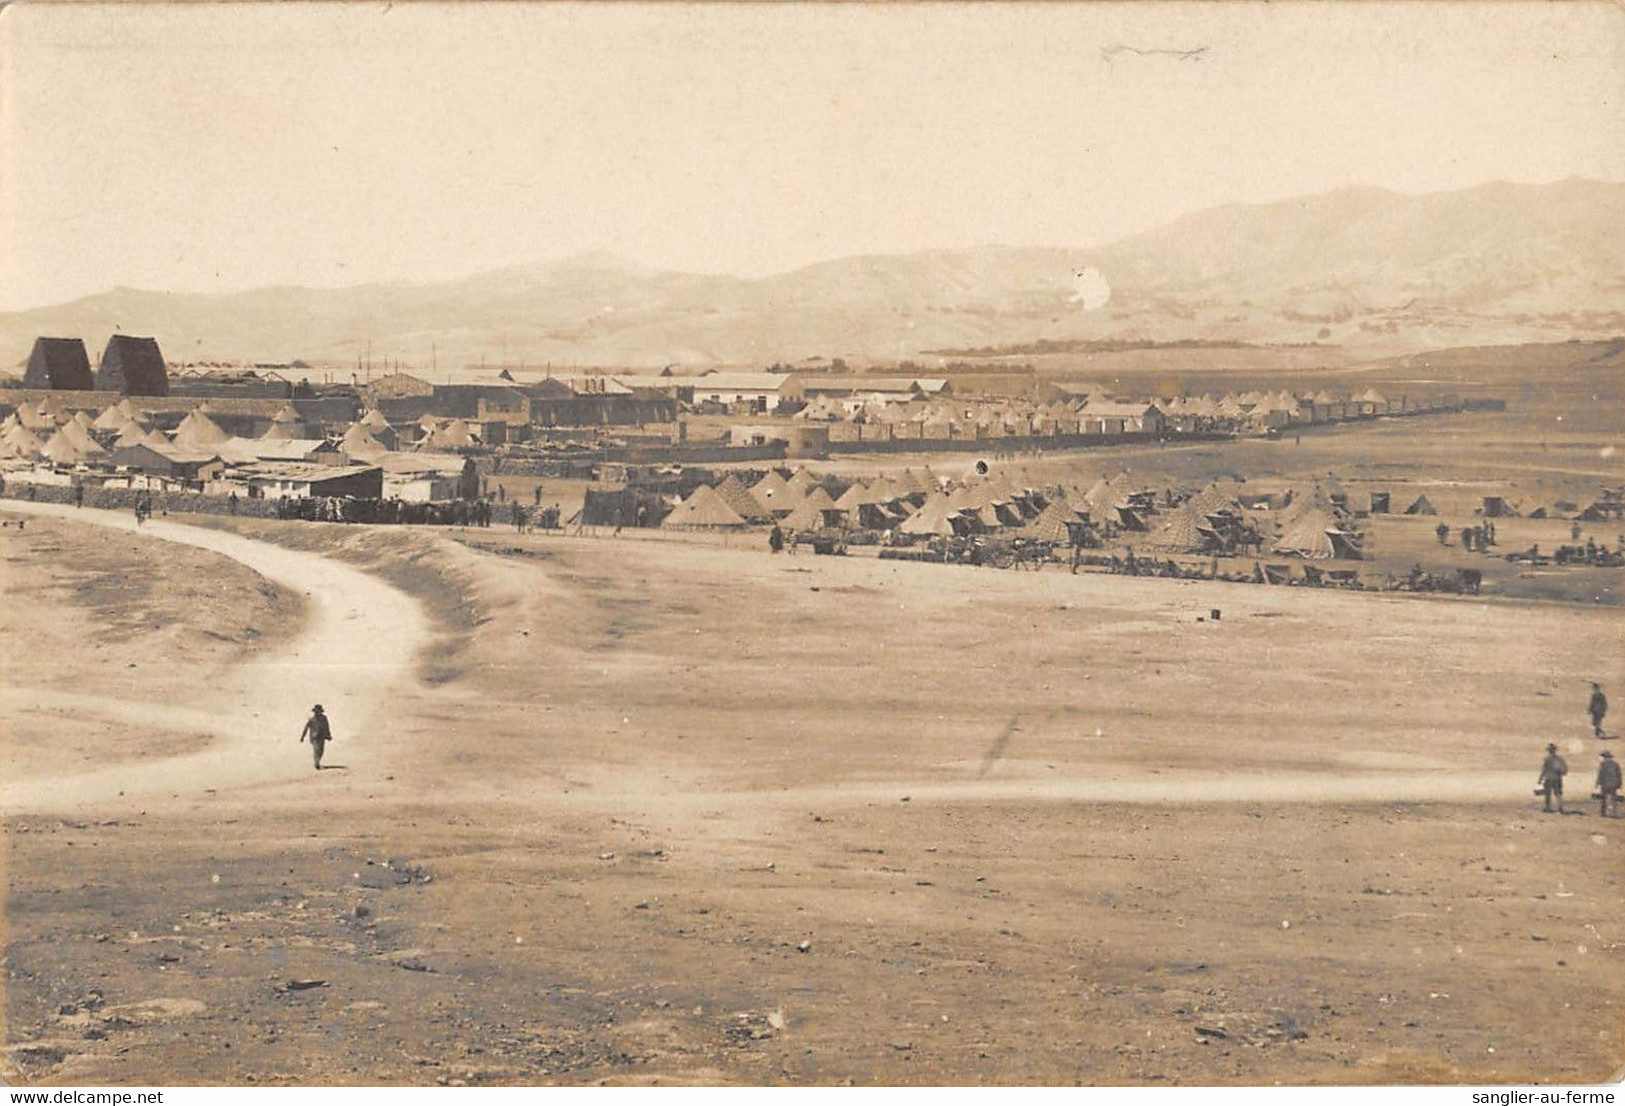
column 60, row 364
column 133, row 366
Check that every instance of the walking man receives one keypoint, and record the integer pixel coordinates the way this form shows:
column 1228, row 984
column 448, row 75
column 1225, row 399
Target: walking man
column 1597, row 708
column 319, row 733
column 1552, row 771
column 1608, row 783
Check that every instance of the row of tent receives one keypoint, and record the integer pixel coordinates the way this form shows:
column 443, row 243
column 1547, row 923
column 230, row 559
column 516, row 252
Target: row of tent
column 1310, row 524
column 44, row 430
column 1021, row 416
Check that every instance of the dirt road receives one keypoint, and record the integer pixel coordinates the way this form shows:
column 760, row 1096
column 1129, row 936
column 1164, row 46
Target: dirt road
column 358, row 644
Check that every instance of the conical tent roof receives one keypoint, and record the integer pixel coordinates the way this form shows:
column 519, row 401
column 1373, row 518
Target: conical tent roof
column 854, row 497
column 279, row 432
column 1211, row 499
column 63, row 450
column 932, row 517
column 83, row 421
column 358, row 441
column 198, row 430
column 373, row 419
column 132, row 434
column 1050, row 523
column 1421, row 505
column 33, row 418
column 704, row 508
column 81, row 438
column 454, row 435
column 773, row 482
column 1306, row 535
column 909, row 483
column 810, row 514
column 113, row 418
column 19, row 442
column 1180, row 530
column 287, row 413
column 156, row 439
column 818, row 498
column 733, row 492
column 1315, row 499
column 802, row 481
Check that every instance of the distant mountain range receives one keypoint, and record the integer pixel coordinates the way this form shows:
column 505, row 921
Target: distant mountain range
column 1360, row 266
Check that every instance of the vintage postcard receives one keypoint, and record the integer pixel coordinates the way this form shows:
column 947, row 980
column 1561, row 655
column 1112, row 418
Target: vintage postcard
column 818, row 545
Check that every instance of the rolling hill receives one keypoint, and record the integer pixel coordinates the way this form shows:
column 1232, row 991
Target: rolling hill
column 1496, row 263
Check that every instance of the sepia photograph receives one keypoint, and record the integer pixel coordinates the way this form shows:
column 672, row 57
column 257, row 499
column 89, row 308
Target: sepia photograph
column 812, row 545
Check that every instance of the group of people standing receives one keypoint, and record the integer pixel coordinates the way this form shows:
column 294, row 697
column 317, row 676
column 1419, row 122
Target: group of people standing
column 1473, row 538
column 1554, row 767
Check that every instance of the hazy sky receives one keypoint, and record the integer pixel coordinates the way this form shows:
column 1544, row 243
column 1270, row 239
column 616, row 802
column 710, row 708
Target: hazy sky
column 215, row 147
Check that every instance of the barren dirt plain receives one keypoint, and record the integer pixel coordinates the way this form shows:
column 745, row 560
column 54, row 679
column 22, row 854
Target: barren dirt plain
column 671, row 811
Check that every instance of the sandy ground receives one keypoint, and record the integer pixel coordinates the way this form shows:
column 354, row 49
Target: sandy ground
column 358, row 641
column 638, row 811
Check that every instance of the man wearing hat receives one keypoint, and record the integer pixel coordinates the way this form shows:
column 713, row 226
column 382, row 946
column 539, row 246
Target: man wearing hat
column 1552, row 771
column 1608, row 783
column 319, row 733
column 1597, row 708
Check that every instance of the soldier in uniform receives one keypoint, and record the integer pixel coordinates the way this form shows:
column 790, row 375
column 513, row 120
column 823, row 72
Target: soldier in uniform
column 1608, row 783
column 1552, row 771
column 1597, row 708
column 318, row 732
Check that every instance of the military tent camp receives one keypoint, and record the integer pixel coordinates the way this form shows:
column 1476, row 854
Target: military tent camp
column 704, row 509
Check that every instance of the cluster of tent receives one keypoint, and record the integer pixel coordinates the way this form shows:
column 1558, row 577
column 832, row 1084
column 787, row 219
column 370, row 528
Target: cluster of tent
column 1314, row 524
column 944, row 417
column 45, row 431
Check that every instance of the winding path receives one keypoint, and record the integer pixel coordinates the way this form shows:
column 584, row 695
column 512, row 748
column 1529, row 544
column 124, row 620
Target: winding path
column 359, row 641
